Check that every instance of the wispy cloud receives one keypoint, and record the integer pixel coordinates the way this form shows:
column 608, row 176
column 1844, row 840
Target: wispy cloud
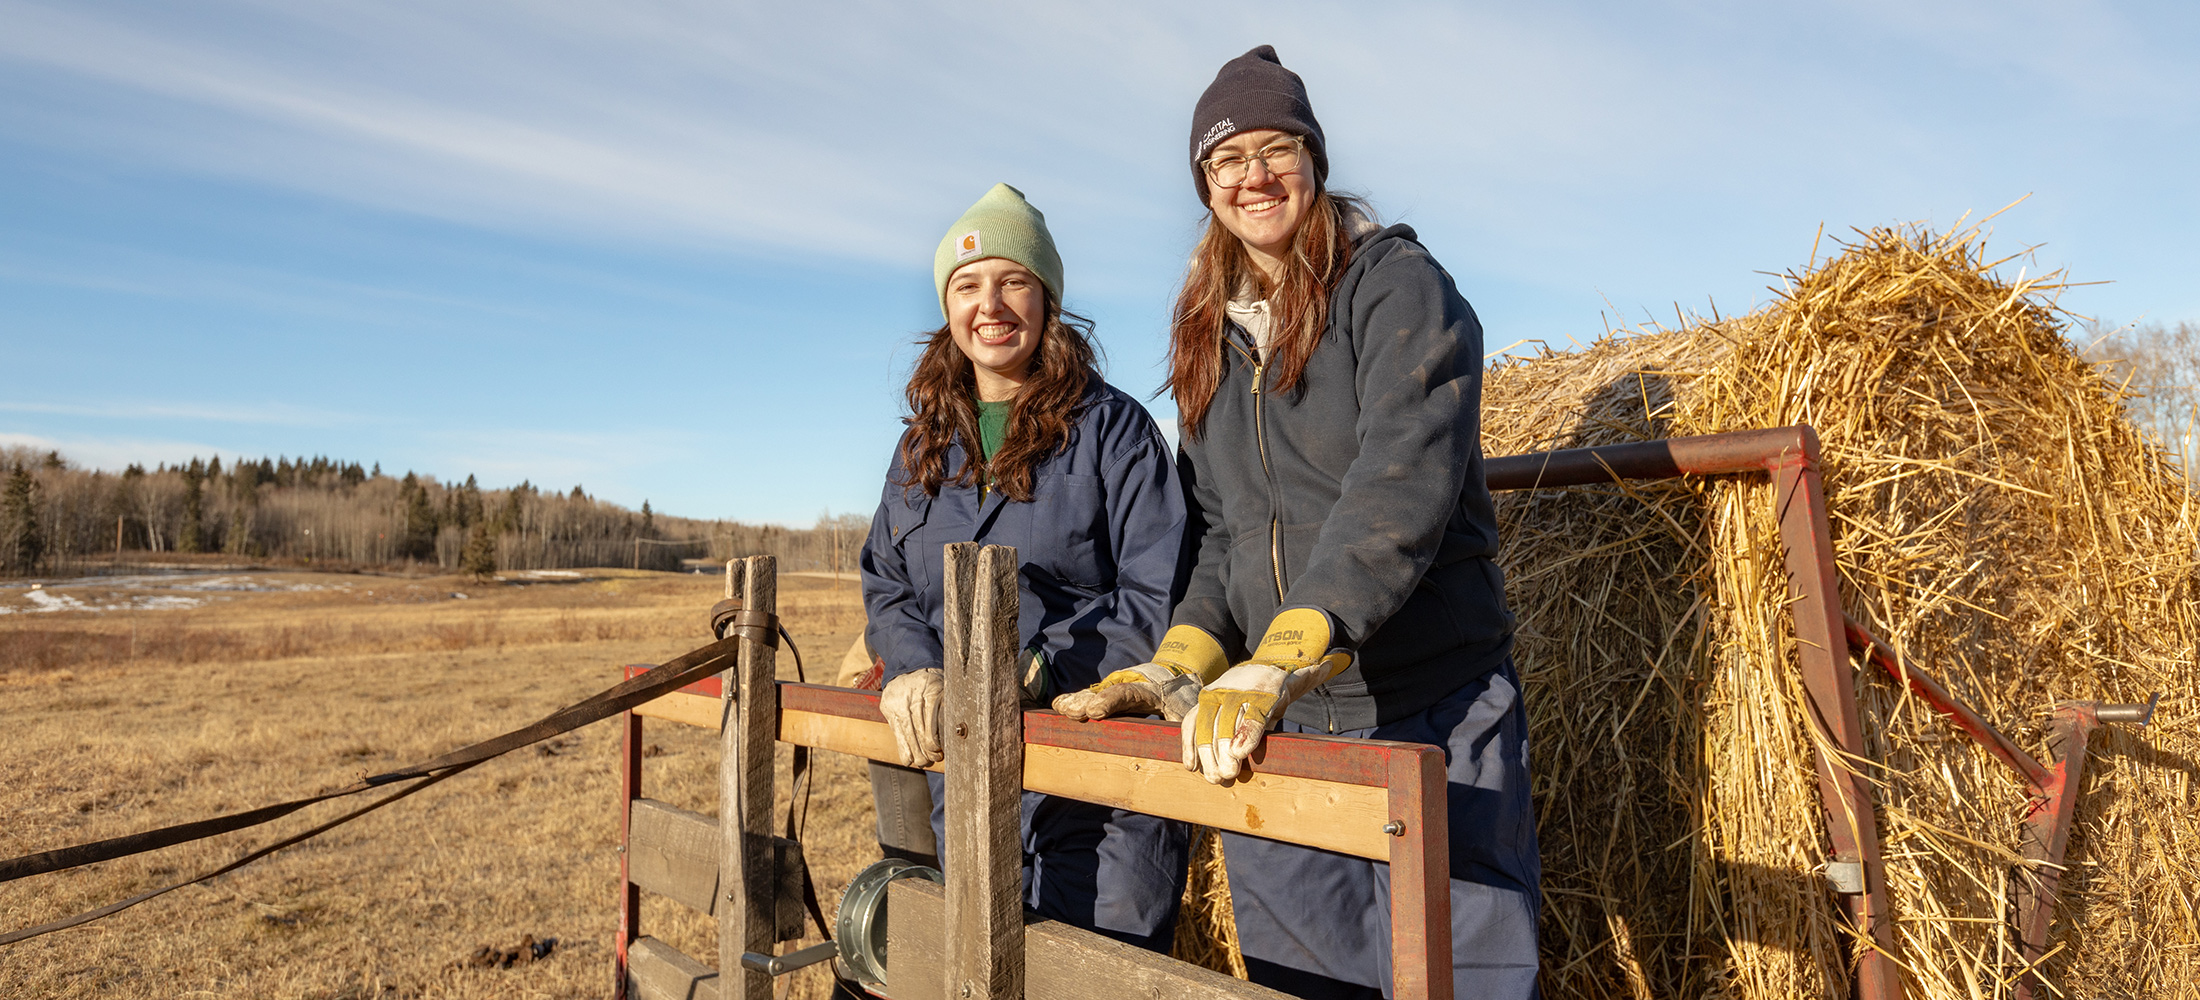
column 113, row 454
column 604, row 461
column 267, row 413
column 852, row 130
column 1552, row 155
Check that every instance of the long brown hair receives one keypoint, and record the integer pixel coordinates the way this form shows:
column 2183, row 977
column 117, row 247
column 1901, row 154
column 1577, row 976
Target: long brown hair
column 943, row 390
column 1220, row 266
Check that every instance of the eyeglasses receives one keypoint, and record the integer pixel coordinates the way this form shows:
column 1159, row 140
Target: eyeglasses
column 1283, row 156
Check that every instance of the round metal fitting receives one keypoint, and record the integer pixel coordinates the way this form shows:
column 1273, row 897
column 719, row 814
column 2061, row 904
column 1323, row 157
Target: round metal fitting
column 859, row 924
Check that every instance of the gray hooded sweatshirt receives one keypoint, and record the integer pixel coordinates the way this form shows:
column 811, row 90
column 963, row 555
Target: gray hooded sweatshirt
column 1359, row 492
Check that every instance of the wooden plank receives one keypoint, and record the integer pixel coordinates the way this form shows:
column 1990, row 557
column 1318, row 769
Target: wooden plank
column 984, row 740
column 1332, row 815
column 656, row 971
column 630, row 789
column 1060, row 961
column 1299, row 755
column 684, row 708
column 750, row 923
column 674, row 853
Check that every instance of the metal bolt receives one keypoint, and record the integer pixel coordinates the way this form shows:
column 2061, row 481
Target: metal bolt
column 1396, row 828
column 960, row 732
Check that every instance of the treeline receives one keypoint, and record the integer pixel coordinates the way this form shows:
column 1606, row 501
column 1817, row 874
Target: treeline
column 58, row 518
column 2160, row 363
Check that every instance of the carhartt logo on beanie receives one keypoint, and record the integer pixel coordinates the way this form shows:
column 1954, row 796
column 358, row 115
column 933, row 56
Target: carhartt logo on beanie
column 1002, row 224
column 1253, row 92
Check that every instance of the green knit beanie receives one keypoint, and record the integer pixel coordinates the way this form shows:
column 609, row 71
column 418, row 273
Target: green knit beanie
column 1001, row 224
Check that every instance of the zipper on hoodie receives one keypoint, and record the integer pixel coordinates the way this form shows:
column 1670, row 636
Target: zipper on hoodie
column 1260, row 440
column 1275, row 524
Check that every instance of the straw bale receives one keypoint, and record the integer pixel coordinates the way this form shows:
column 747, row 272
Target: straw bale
column 1206, row 926
column 1997, row 518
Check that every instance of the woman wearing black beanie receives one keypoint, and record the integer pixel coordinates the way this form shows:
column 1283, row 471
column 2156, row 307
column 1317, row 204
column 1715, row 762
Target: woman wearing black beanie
column 1327, row 376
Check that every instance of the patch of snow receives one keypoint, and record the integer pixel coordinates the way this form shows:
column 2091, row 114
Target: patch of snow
column 47, row 600
column 167, row 603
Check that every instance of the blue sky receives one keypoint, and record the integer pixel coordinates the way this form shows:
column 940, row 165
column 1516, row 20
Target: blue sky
column 678, row 251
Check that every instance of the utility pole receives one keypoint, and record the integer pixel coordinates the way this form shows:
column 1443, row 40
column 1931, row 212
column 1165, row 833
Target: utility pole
column 118, row 538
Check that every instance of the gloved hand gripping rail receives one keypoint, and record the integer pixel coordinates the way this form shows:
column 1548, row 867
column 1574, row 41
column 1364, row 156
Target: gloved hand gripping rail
column 1236, row 709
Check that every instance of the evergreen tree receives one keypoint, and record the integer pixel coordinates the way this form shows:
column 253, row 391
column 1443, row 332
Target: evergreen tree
column 509, row 519
column 469, row 503
column 193, row 536
column 649, row 521
column 21, row 544
column 480, row 557
column 419, row 539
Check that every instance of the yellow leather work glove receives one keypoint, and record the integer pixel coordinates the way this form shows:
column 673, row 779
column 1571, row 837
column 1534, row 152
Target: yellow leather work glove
column 1236, row 709
column 1169, row 683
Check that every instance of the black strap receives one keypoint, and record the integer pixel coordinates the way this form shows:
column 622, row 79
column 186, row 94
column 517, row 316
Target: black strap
column 803, row 780
column 647, row 686
column 117, row 907
column 720, row 614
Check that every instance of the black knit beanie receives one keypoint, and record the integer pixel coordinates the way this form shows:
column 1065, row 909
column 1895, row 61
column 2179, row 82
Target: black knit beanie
column 1252, row 92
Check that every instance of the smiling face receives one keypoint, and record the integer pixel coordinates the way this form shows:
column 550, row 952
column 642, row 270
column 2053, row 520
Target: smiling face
column 996, row 310
column 1267, row 210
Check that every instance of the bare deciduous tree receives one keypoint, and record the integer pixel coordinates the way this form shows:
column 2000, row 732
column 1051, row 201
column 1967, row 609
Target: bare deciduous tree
column 2160, row 365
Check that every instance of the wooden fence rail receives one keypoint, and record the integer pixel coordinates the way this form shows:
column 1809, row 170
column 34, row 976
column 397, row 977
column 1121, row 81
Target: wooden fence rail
column 1373, row 799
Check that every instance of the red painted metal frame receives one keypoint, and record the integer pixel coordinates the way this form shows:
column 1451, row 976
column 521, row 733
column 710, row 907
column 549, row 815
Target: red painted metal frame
column 1933, row 693
column 2045, row 834
column 1414, row 774
column 1411, row 773
column 1790, row 456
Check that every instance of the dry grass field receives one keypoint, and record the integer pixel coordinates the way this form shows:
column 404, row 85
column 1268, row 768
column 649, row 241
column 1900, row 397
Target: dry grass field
column 131, row 708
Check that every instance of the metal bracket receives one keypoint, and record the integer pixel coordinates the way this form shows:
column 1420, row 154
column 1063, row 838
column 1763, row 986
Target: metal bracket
column 1847, row 877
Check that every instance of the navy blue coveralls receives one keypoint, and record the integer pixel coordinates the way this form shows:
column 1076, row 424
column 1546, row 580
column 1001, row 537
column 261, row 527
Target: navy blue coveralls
column 1099, row 549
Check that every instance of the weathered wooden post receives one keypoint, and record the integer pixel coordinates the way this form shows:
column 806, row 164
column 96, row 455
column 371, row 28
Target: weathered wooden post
column 983, row 732
column 747, row 913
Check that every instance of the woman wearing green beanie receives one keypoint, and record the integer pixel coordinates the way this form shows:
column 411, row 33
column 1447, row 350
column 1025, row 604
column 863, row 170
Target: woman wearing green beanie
column 1014, row 439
